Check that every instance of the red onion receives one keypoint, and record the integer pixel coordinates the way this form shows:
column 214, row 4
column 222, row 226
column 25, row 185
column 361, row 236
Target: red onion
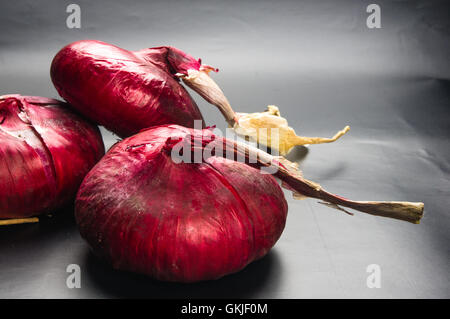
column 144, row 211
column 177, row 222
column 45, row 152
column 126, row 91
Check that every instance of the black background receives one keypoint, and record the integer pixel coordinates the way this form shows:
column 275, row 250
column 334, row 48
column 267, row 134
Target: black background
column 324, row 68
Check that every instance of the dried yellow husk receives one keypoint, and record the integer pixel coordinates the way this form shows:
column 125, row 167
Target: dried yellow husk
column 271, row 129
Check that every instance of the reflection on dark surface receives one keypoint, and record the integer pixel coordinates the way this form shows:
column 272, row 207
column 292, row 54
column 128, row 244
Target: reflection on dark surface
column 120, row 284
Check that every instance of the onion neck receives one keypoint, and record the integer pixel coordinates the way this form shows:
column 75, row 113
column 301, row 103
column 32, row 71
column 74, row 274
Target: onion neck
column 206, row 87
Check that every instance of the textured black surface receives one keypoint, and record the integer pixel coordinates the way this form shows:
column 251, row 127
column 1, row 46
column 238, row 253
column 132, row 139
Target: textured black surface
column 324, row 68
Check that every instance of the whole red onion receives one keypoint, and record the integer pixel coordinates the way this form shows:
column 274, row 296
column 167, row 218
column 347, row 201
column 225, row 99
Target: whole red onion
column 177, row 221
column 126, row 91
column 45, row 152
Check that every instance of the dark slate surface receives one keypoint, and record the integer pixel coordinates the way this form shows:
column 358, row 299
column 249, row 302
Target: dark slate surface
column 324, row 68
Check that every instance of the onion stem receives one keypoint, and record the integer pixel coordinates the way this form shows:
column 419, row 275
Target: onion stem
column 204, row 85
column 407, row 211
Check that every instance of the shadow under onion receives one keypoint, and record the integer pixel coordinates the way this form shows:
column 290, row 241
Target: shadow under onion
column 243, row 284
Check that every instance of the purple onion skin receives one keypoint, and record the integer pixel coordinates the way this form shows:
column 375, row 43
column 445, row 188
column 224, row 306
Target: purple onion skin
column 182, row 222
column 45, row 152
column 125, row 91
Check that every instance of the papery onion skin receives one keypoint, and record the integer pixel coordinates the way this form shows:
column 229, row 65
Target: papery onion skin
column 182, row 222
column 125, row 91
column 45, row 152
